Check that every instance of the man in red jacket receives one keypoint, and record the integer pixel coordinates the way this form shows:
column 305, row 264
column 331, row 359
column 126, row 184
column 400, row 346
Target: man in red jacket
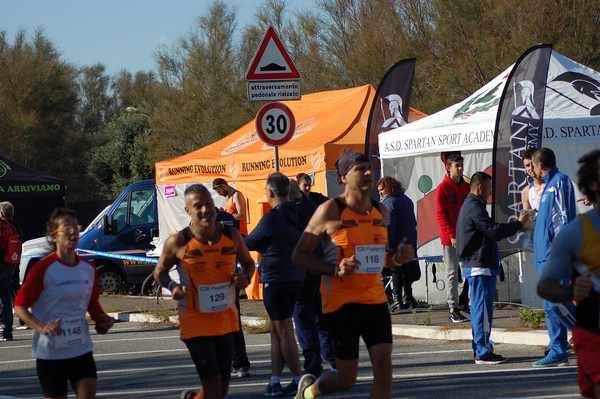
column 450, row 195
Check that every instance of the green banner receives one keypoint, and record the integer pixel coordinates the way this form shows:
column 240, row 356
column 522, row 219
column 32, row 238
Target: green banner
column 30, row 188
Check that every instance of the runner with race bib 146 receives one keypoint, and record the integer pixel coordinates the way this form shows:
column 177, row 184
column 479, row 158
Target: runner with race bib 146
column 60, row 289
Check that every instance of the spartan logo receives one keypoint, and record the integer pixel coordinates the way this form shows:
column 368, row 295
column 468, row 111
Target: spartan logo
column 581, row 90
column 393, row 117
column 480, row 103
column 4, row 168
column 524, row 103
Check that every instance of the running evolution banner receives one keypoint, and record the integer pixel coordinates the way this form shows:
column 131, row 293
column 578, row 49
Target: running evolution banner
column 389, row 109
column 519, row 125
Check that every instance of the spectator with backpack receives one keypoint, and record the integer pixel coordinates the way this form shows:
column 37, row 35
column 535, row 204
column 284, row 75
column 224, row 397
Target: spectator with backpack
column 10, row 256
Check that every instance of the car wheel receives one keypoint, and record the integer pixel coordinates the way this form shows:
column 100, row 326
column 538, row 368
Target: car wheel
column 150, row 287
column 110, row 282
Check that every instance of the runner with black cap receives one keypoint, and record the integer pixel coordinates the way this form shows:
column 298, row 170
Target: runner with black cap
column 346, row 242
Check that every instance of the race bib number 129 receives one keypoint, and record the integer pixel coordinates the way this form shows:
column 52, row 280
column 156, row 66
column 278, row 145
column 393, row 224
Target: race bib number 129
column 371, row 258
column 215, row 297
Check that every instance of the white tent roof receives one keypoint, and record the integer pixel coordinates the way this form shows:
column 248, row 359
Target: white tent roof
column 467, row 125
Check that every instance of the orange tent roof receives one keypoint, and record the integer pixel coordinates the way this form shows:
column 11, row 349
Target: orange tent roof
column 326, row 123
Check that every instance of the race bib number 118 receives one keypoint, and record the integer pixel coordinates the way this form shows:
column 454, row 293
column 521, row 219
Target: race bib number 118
column 371, row 258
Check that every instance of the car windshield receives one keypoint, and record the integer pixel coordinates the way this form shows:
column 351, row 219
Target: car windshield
column 96, row 220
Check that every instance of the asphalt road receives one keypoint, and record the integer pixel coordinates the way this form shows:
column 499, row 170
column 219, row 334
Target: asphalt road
column 136, row 361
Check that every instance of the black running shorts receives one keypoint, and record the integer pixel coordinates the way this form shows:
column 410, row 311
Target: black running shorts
column 55, row 374
column 280, row 299
column 211, row 355
column 355, row 320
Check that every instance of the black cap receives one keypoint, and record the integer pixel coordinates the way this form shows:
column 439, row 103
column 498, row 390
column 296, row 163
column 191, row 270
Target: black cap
column 347, row 160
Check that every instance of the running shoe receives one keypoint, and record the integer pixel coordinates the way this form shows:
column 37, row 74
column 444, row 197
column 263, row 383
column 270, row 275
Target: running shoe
column 187, row 394
column 273, row 390
column 551, row 360
column 7, row 337
column 241, row 372
column 306, row 381
column 490, row 358
column 456, row 317
column 291, row 388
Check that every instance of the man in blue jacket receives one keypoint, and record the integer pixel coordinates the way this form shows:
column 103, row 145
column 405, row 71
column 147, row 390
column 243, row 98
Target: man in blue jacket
column 476, row 247
column 557, row 208
column 275, row 238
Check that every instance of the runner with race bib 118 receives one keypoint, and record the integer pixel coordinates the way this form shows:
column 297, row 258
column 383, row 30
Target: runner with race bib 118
column 346, row 241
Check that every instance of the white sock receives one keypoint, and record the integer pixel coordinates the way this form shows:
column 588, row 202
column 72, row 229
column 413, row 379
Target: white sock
column 275, row 379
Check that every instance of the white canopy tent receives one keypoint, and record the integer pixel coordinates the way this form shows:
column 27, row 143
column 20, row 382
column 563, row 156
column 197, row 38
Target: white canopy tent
column 412, row 152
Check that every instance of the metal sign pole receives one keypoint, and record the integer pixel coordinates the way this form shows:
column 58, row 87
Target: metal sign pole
column 276, row 158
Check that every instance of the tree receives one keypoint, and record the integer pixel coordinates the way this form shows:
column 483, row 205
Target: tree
column 38, row 104
column 202, row 95
column 95, row 103
column 120, row 160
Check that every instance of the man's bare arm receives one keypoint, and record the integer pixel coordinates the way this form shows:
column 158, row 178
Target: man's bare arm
column 167, row 260
column 240, row 205
column 525, row 198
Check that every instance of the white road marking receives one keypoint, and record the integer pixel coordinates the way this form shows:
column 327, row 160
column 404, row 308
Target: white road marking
column 396, row 377
column 247, row 346
column 99, row 341
column 93, row 332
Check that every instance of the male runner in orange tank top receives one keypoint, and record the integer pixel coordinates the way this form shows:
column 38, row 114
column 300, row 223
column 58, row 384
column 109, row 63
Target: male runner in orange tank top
column 236, row 203
column 354, row 300
column 205, row 254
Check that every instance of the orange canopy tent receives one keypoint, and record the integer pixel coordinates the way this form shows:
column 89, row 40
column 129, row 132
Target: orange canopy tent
column 327, row 123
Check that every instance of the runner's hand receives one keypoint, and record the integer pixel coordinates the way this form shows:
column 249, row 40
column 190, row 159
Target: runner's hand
column 52, row 328
column 104, row 324
column 348, row 266
column 240, row 280
column 453, row 242
column 178, row 292
column 583, row 286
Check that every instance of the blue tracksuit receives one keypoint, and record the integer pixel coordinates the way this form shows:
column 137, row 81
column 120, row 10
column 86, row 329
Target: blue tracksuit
column 557, row 208
column 476, row 237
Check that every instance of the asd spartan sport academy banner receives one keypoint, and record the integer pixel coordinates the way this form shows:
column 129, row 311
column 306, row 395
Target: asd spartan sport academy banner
column 389, row 109
column 549, row 101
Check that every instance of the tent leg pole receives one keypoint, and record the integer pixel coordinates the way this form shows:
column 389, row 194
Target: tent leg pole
column 276, row 158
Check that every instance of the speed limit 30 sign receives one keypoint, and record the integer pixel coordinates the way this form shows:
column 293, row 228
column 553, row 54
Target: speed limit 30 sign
column 275, row 124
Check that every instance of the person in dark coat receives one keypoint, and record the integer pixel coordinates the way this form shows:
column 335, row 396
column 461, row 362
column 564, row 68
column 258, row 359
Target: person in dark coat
column 476, row 247
column 402, row 228
column 305, row 183
column 275, row 237
column 312, row 335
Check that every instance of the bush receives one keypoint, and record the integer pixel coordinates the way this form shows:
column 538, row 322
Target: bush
column 531, row 318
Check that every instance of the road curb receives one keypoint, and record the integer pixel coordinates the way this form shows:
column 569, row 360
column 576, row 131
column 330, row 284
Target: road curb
column 499, row 335
column 261, row 324
column 251, row 322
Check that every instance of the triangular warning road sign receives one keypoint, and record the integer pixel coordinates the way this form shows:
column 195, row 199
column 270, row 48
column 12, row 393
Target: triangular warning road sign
column 271, row 61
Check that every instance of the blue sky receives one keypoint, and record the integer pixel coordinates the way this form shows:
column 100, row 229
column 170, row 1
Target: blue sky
column 118, row 33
